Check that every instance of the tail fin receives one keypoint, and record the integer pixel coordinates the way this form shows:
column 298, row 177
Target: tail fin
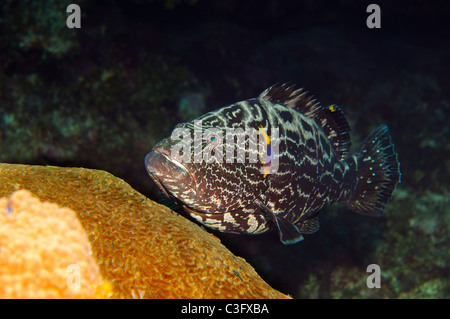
column 378, row 174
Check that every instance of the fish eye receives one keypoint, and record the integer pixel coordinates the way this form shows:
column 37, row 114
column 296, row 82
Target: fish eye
column 212, row 140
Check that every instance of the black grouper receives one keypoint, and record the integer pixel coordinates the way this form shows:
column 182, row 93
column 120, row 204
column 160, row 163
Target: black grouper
column 304, row 168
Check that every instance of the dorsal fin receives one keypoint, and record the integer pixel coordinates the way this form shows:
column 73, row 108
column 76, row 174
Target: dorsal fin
column 331, row 119
column 334, row 123
column 295, row 98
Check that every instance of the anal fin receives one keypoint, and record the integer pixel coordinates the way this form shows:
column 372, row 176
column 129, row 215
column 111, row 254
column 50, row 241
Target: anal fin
column 288, row 232
column 309, row 226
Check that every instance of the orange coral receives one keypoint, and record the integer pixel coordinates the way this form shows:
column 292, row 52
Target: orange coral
column 144, row 249
column 44, row 251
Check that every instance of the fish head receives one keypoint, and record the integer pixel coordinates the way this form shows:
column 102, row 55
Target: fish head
column 197, row 167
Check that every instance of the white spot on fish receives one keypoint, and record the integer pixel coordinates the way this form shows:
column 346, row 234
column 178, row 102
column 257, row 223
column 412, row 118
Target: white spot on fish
column 252, row 223
column 228, row 218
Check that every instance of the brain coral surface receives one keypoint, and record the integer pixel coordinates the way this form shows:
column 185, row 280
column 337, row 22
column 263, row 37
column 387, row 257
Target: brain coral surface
column 142, row 249
column 44, row 251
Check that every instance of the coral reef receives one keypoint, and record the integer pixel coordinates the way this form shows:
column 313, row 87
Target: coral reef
column 142, row 248
column 36, row 26
column 45, row 253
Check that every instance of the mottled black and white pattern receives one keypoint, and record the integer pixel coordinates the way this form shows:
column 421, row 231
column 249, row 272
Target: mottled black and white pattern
column 312, row 168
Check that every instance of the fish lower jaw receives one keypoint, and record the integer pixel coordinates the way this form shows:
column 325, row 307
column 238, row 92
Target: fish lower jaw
column 169, row 171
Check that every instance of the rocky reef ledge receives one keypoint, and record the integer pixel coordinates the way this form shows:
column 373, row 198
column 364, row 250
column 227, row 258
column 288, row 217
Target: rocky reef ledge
column 85, row 233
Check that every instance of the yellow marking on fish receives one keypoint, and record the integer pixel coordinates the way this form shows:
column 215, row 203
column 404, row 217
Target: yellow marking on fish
column 266, row 171
column 263, row 132
column 332, row 108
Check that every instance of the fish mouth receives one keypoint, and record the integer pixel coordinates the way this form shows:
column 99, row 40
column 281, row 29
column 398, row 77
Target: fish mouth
column 167, row 172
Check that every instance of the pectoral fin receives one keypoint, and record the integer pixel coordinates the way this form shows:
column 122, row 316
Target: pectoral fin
column 288, row 232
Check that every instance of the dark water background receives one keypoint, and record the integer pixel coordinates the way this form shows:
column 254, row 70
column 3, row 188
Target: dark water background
column 103, row 95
